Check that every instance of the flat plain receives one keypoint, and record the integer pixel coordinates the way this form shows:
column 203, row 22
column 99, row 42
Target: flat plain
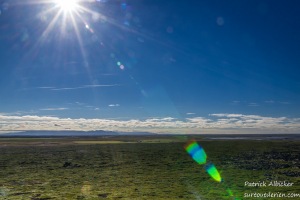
column 143, row 167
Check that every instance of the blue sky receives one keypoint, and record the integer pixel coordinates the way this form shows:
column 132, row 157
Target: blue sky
column 161, row 66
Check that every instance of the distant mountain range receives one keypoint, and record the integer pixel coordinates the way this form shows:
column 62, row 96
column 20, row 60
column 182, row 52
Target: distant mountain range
column 70, row 133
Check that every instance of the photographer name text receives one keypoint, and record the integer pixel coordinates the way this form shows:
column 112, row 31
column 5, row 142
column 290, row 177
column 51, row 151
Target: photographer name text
column 268, row 184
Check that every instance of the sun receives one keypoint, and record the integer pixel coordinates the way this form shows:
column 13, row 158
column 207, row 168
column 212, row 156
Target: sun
column 67, row 5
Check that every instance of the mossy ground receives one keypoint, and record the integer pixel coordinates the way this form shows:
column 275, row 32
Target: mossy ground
column 158, row 169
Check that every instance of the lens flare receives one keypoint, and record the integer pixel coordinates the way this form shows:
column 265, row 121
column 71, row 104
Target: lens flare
column 199, row 155
column 67, row 5
column 196, row 152
column 213, row 172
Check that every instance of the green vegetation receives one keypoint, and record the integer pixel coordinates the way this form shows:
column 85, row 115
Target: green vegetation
column 141, row 168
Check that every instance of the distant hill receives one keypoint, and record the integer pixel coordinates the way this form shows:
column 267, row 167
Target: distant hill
column 70, row 133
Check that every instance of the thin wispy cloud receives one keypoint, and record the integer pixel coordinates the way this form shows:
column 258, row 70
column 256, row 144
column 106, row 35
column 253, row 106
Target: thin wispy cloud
column 83, row 87
column 215, row 123
column 72, row 88
column 269, row 101
column 95, row 86
column 20, row 112
column 38, row 88
column 114, row 105
column 253, row 104
column 46, row 87
column 278, row 102
column 284, row 102
column 66, row 88
column 53, row 109
column 190, row 113
column 80, row 103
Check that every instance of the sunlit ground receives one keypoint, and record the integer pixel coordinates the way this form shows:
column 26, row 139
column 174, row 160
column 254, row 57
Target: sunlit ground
column 135, row 168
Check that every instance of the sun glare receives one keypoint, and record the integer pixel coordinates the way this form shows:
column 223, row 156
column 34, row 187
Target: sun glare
column 67, row 5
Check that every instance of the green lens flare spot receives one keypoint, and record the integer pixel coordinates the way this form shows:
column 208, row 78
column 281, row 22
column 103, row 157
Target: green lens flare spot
column 213, row 172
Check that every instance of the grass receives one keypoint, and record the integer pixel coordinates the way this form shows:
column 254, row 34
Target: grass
column 141, row 168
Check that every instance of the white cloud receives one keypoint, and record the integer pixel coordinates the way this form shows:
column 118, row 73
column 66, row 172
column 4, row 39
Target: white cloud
column 198, row 120
column 220, row 123
column 226, row 115
column 160, row 119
